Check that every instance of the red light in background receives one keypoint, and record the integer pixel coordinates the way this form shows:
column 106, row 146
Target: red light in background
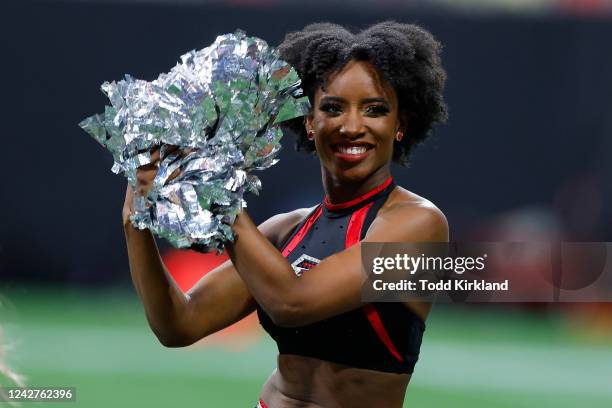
column 188, row 267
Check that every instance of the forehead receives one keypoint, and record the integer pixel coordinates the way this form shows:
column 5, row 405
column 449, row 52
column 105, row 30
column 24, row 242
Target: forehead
column 358, row 80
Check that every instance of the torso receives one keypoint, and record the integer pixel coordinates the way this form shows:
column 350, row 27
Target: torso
column 303, row 381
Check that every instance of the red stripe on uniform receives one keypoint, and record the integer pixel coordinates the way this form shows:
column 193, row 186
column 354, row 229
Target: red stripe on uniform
column 342, row 206
column 297, row 238
column 380, row 330
column 353, row 236
column 262, row 404
column 355, row 225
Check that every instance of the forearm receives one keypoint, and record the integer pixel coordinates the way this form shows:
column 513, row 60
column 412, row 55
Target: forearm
column 262, row 267
column 163, row 300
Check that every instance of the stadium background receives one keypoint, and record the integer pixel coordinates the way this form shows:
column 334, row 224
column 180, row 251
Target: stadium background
column 525, row 156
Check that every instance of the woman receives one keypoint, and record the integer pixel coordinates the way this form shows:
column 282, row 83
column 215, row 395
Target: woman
column 374, row 96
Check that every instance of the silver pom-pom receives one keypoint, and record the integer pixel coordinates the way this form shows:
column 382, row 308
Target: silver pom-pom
column 214, row 117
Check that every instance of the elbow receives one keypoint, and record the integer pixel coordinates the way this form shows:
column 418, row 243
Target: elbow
column 287, row 315
column 172, row 342
column 291, row 310
column 174, row 339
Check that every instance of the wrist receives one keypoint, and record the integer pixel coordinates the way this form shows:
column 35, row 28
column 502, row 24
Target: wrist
column 241, row 221
column 125, row 216
column 126, row 211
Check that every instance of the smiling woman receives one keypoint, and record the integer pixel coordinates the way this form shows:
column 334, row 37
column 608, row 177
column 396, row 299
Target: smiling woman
column 374, row 96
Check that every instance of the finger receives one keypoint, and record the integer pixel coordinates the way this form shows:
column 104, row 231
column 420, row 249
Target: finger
column 153, row 166
column 171, row 149
column 175, row 174
column 155, row 155
column 146, row 174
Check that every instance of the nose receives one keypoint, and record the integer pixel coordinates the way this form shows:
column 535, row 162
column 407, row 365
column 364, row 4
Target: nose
column 352, row 126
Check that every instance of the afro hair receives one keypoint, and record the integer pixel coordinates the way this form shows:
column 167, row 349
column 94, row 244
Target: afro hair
column 407, row 56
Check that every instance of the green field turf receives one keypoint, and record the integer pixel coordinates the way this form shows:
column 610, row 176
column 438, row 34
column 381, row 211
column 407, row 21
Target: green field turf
column 99, row 342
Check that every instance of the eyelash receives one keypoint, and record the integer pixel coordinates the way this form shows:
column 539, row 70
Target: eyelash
column 378, row 110
column 331, row 108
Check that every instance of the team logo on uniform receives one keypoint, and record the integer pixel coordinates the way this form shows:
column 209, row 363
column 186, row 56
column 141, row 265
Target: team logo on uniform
column 304, row 263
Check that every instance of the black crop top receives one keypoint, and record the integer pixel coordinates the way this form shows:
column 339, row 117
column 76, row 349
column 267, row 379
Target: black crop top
column 378, row 336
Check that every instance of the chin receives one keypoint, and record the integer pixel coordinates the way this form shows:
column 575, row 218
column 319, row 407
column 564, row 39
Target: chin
column 353, row 174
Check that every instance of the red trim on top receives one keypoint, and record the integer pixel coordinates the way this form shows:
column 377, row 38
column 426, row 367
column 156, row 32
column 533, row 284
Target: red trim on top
column 347, row 204
column 380, row 330
column 297, row 238
column 262, row 404
column 353, row 236
column 355, row 225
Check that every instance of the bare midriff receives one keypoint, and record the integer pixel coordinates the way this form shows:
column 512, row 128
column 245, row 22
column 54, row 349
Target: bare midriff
column 308, row 382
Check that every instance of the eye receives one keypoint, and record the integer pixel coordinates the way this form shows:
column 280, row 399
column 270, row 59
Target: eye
column 377, row 110
column 331, row 108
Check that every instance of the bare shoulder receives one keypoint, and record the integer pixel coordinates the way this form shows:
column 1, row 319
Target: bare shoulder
column 278, row 227
column 406, row 216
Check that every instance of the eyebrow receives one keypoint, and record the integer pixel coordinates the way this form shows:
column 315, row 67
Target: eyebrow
column 363, row 101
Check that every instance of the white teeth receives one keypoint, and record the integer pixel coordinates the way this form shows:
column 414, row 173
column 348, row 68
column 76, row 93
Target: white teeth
column 352, row 150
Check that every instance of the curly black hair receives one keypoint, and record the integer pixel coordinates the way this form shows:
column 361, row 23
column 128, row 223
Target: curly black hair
column 407, row 56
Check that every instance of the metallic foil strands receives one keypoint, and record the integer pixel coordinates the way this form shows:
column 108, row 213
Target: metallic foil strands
column 214, row 116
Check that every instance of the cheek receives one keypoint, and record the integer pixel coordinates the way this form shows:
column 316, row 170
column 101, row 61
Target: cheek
column 323, row 130
column 326, row 125
column 384, row 133
column 388, row 146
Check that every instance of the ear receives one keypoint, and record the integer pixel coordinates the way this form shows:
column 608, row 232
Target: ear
column 402, row 122
column 309, row 122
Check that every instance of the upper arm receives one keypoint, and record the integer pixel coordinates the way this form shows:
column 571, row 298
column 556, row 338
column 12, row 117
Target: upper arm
column 334, row 285
column 409, row 223
column 221, row 298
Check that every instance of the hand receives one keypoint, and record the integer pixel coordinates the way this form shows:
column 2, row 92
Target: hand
column 144, row 181
column 146, row 174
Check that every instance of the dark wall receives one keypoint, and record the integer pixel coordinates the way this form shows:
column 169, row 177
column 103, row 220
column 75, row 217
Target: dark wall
column 529, row 126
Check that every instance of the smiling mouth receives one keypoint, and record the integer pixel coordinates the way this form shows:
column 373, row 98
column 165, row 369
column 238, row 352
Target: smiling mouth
column 352, row 152
column 355, row 149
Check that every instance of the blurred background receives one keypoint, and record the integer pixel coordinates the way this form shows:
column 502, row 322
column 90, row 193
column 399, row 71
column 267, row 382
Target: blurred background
column 525, row 156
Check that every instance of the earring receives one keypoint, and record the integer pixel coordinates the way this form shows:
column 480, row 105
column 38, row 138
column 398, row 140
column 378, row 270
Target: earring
column 399, row 136
column 310, row 135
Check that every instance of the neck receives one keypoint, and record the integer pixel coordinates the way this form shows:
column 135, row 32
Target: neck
column 341, row 190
